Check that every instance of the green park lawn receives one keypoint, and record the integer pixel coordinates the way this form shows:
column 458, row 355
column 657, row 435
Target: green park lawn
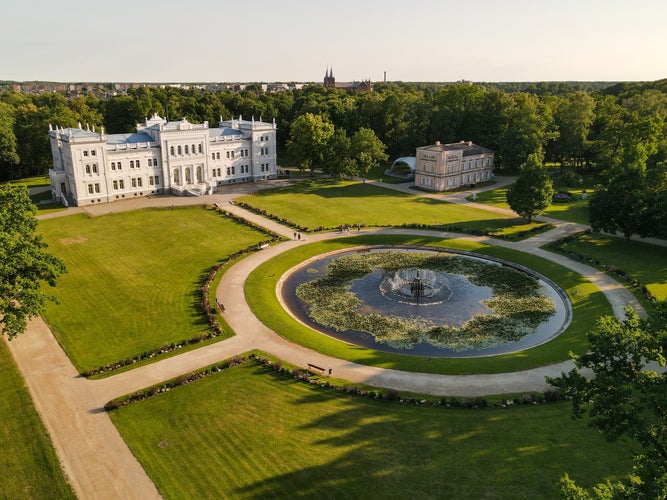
column 30, row 467
column 248, row 432
column 133, row 278
column 328, row 203
column 645, row 262
column 573, row 211
column 36, row 181
column 588, row 304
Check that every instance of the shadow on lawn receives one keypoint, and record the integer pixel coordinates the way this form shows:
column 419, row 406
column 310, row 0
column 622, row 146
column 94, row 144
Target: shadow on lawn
column 389, row 450
column 331, row 188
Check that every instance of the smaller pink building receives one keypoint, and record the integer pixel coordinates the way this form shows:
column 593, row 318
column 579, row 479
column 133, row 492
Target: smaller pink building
column 443, row 167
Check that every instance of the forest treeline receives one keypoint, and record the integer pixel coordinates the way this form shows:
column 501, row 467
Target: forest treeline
column 595, row 129
column 615, row 132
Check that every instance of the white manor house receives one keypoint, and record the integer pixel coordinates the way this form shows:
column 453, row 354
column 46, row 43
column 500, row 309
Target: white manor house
column 160, row 157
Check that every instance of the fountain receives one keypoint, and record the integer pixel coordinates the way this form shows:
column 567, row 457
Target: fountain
column 417, row 287
column 404, row 300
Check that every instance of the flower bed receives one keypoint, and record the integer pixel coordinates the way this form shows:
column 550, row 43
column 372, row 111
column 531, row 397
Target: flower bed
column 323, row 382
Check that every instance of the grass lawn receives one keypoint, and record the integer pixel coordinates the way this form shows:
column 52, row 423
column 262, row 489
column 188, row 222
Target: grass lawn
column 248, row 432
column 588, row 304
column 645, row 262
column 327, row 203
column 37, row 181
column 30, row 467
column 573, row 211
column 133, row 278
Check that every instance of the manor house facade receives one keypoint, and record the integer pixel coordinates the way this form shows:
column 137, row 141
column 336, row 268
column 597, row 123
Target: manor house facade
column 160, row 157
column 443, row 167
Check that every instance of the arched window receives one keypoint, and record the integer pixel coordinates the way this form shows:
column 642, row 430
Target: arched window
column 171, row 150
column 188, row 176
column 176, row 176
column 193, row 149
column 199, row 176
column 200, row 148
column 186, row 150
column 180, row 151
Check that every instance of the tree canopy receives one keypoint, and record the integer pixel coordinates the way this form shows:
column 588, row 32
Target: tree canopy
column 532, row 192
column 624, row 397
column 25, row 263
column 583, row 126
column 309, row 139
column 621, row 204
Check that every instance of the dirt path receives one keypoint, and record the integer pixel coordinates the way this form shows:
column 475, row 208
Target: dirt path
column 92, row 452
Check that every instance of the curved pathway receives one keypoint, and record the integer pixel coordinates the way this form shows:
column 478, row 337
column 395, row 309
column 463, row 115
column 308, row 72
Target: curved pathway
column 94, row 456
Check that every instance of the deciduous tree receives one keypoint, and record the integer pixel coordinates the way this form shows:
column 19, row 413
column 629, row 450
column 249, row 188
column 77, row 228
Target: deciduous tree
column 623, row 397
column 309, row 139
column 24, row 262
column 367, row 150
column 338, row 161
column 620, row 204
column 8, row 156
column 531, row 194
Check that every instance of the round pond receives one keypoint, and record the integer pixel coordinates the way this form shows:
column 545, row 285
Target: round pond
column 425, row 302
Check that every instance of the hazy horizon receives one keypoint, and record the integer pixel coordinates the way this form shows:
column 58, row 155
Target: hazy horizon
column 294, row 40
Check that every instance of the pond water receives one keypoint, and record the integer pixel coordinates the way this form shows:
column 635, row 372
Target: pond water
column 444, row 299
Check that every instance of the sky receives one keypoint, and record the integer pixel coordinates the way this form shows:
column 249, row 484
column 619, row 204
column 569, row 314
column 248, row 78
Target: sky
column 297, row 40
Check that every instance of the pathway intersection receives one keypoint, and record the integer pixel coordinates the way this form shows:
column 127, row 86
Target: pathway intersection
column 94, row 456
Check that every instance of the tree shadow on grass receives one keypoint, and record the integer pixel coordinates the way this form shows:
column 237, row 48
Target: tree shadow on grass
column 330, row 188
column 356, row 447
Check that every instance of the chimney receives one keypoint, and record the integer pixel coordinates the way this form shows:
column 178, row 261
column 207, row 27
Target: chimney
column 437, row 143
column 469, row 143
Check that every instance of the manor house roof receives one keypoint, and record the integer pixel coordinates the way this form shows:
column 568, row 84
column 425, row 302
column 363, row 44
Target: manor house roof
column 468, row 148
column 133, row 138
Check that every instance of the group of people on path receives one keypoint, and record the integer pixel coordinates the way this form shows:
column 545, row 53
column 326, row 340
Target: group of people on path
column 345, row 228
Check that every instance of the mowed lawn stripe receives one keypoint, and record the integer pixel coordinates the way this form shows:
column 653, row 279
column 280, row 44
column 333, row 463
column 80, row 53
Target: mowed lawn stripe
column 643, row 261
column 282, row 438
column 133, row 278
column 329, row 204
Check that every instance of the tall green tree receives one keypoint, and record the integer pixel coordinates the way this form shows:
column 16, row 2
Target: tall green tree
column 457, row 113
column 573, row 116
column 623, row 397
column 121, row 114
column 31, row 128
column 531, row 194
column 25, row 262
column 309, row 139
column 367, row 150
column 9, row 158
column 338, row 161
column 529, row 127
column 620, row 205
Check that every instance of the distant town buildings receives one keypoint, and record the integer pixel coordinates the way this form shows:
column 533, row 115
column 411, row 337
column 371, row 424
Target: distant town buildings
column 331, row 83
column 442, row 167
column 162, row 156
column 104, row 90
